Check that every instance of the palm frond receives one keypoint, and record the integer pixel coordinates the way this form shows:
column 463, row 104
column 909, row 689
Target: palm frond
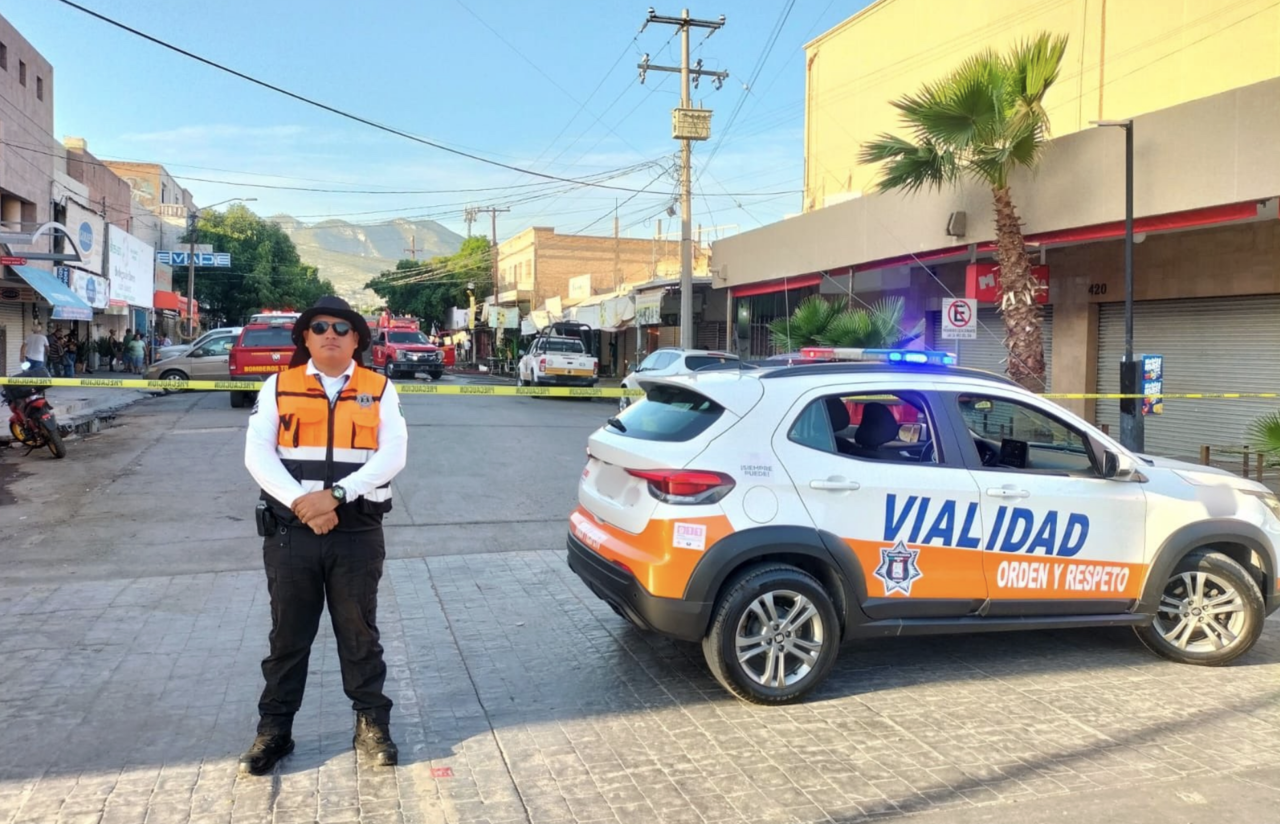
column 1032, row 68
column 805, row 325
column 853, row 327
column 1264, row 433
column 886, row 147
column 928, row 166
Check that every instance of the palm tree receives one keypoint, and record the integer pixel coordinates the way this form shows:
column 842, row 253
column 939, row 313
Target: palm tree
column 1264, row 434
column 818, row 321
column 983, row 121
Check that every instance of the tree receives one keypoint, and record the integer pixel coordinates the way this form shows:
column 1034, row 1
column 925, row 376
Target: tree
column 265, row 273
column 983, row 121
column 818, row 321
column 429, row 290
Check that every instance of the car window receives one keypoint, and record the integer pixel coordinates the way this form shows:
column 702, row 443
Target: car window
column 651, row 362
column 221, row 346
column 1012, row 435
column 565, row 345
column 880, row 426
column 669, row 413
column 408, row 337
column 695, row 362
column 275, row 336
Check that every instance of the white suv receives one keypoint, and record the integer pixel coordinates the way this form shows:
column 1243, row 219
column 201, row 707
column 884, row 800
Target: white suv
column 671, row 361
column 772, row 514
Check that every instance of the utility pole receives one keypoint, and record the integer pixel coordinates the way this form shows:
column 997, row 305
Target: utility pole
column 191, row 273
column 471, row 213
column 687, row 124
column 413, row 249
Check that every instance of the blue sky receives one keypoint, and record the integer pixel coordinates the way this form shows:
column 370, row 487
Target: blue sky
column 542, row 84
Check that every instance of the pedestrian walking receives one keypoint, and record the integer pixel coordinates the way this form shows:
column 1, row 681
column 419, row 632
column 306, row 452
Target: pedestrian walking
column 53, row 354
column 35, row 348
column 325, row 439
column 69, row 354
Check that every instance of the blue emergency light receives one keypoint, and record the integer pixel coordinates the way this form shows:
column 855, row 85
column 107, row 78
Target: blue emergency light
column 911, row 356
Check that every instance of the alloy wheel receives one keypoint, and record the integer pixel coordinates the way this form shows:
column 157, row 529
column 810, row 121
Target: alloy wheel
column 1200, row 612
column 779, row 638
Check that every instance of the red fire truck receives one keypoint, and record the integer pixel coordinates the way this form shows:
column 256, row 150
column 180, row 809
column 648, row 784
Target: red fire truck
column 400, row 349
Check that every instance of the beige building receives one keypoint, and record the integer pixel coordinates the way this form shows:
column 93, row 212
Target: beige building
column 537, row 265
column 1124, row 58
column 1207, row 208
column 106, row 190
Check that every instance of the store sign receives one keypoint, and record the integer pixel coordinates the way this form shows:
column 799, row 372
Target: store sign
column 1152, row 384
column 133, row 269
column 982, row 282
column 92, row 289
column 13, row 261
column 580, row 287
column 86, row 230
column 214, row 259
column 649, row 309
column 11, row 292
column 504, row 317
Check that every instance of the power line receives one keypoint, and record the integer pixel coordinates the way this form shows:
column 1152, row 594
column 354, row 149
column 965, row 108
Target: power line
column 331, row 109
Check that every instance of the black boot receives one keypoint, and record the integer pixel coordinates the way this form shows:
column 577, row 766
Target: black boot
column 374, row 740
column 266, row 750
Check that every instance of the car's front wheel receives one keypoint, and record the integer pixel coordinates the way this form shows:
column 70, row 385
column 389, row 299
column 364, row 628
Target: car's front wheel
column 775, row 635
column 1210, row 613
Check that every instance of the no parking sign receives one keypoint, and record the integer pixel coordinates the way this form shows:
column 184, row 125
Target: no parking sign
column 959, row 319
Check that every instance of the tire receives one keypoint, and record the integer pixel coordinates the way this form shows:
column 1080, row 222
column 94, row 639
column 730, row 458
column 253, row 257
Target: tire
column 1180, row 632
column 53, row 438
column 436, row 374
column 788, row 588
column 174, row 375
column 237, row 400
column 520, row 379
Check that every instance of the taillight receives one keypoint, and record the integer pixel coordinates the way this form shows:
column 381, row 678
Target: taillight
column 542, row 365
column 685, row 486
column 233, row 360
column 595, row 369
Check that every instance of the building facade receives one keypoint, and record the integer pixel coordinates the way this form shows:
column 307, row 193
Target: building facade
column 1124, row 58
column 1207, row 208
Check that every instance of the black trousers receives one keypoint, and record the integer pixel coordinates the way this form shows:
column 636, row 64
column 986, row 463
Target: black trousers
column 304, row 571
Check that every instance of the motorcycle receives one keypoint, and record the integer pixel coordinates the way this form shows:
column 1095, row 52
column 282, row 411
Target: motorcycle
column 33, row 422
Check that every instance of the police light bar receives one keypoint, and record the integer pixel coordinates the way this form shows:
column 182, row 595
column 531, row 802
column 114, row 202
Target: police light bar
column 913, row 356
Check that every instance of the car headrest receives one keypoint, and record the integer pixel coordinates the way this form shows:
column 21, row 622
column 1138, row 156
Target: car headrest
column 839, row 414
column 878, row 426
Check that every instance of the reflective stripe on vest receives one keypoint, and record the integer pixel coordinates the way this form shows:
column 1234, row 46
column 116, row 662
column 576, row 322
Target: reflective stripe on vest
column 321, row 443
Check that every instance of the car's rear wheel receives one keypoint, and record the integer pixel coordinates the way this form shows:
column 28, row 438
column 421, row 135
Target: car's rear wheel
column 238, row 399
column 173, row 375
column 775, row 635
column 1210, row 613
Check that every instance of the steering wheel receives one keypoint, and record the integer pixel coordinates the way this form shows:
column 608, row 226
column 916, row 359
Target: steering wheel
column 989, row 455
column 926, row 454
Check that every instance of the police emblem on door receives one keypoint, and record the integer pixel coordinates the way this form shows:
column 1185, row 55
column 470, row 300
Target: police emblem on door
column 898, row 569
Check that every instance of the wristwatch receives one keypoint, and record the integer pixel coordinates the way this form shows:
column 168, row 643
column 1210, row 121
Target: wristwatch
column 339, row 493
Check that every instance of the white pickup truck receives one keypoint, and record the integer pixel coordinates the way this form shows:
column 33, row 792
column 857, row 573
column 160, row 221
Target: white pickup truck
column 557, row 360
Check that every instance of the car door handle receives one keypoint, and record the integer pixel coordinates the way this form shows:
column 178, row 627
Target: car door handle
column 1006, row 492
column 835, row 486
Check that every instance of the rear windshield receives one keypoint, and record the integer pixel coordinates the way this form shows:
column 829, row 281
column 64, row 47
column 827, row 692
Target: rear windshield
column 696, row 362
column 670, row 413
column 563, row 345
column 278, row 337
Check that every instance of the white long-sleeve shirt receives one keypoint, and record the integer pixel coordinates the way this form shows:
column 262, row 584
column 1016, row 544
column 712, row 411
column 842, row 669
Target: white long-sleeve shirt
column 262, row 459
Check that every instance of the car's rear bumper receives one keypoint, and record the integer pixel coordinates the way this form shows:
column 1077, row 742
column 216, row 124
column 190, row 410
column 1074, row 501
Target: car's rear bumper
column 565, row 380
column 615, row 585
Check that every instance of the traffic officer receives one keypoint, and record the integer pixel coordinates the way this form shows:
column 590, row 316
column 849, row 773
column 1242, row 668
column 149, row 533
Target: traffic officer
column 325, row 439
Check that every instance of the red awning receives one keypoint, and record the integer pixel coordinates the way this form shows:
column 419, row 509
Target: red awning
column 771, row 286
column 166, row 300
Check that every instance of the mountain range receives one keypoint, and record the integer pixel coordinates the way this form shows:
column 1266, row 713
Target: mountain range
column 350, row 254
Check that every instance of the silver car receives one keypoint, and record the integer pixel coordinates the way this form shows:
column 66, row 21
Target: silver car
column 166, row 352
column 670, row 361
column 206, row 362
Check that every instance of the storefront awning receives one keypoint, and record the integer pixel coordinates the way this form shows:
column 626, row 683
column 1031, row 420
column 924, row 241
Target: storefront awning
column 67, row 305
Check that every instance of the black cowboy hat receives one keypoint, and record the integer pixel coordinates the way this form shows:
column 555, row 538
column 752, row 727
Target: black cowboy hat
column 334, row 307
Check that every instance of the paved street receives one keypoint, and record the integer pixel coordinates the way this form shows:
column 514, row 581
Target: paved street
column 133, row 616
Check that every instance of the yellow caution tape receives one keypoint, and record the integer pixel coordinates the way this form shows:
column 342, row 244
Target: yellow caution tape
column 402, row 388
column 537, row 391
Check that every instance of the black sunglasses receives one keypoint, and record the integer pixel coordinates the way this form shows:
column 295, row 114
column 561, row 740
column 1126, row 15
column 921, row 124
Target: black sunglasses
column 340, row 327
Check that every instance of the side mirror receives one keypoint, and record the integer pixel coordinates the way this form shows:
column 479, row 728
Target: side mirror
column 1110, row 464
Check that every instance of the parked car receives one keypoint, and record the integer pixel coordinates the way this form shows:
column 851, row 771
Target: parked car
column 206, row 362
column 670, row 361
column 176, row 349
column 774, row 514
column 558, row 356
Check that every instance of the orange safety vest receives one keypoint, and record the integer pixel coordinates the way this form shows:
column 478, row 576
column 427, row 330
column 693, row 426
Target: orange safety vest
column 320, row 443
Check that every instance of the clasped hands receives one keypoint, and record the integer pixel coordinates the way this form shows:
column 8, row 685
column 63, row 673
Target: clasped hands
column 317, row 510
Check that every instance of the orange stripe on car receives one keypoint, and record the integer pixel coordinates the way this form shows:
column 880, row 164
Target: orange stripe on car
column 652, row 556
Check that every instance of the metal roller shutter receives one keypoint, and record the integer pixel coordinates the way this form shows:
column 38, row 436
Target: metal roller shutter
column 1209, row 345
column 988, row 352
column 11, row 322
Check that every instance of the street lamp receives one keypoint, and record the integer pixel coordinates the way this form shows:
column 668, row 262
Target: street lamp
column 191, row 259
column 1132, row 435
